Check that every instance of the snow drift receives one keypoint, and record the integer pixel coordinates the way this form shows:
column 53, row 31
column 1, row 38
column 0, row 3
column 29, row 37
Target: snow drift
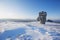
column 29, row 31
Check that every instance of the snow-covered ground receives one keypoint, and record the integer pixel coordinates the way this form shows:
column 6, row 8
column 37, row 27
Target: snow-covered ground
column 29, row 31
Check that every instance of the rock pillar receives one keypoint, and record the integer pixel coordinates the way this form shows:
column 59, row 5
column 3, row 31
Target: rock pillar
column 42, row 17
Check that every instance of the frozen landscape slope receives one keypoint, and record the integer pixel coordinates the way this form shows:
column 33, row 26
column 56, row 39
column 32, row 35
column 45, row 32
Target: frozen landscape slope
column 29, row 31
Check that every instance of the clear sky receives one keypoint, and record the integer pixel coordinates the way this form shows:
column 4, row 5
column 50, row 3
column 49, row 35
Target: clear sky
column 29, row 9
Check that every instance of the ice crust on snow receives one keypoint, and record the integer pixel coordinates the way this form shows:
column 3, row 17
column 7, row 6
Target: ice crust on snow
column 33, row 30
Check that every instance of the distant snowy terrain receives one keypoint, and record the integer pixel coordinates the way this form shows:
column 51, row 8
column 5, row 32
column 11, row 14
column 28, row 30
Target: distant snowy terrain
column 29, row 31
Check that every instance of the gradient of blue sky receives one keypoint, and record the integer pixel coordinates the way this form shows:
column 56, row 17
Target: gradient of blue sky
column 29, row 9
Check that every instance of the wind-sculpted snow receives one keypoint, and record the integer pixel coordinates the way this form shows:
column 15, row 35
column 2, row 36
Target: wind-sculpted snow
column 29, row 31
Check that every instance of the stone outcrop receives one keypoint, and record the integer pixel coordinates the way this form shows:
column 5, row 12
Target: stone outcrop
column 42, row 17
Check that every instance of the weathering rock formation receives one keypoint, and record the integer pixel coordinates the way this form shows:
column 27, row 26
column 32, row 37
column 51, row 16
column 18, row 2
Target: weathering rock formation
column 42, row 17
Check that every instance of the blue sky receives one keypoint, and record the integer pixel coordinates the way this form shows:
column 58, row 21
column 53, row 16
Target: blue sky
column 29, row 9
